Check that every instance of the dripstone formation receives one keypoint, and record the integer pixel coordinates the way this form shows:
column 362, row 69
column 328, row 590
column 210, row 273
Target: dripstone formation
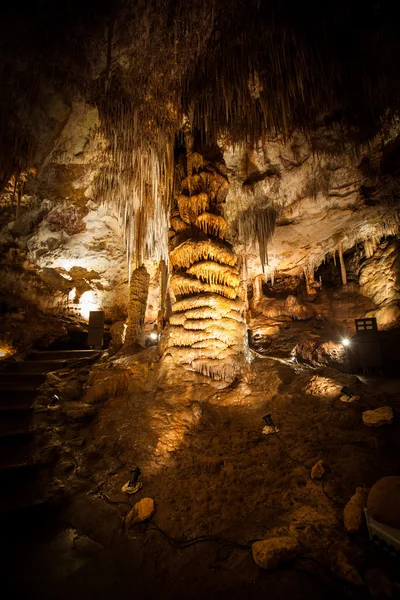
column 207, row 330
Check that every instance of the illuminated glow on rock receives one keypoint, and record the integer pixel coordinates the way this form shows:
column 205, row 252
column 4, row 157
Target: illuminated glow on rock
column 88, row 303
column 71, row 295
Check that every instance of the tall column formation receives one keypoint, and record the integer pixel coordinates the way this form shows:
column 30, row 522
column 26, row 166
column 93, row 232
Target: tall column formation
column 138, row 292
column 207, row 331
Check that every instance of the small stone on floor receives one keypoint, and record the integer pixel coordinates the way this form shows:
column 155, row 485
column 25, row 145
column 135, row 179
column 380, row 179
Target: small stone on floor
column 269, row 554
column 318, row 470
column 377, row 417
column 140, row 512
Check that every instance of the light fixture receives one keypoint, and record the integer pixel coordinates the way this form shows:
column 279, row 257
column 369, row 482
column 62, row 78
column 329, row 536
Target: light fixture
column 269, row 426
column 153, row 335
column 133, row 485
column 268, row 421
column 346, row 342
column 135, row 474
column 54, row 403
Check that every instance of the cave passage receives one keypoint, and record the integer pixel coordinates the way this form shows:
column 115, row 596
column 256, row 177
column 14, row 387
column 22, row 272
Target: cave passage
column 200, row 299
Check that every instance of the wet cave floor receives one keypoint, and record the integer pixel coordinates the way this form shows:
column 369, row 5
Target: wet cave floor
column 210, row 471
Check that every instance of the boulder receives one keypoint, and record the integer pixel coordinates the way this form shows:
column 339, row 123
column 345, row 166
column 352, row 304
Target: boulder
column 353, row 514
column 379, row 416
column 72, row 390
column 142, row 511
column 318, row 470
column 27, row 222
column 379, row 585
column 86, row 546
column 269, row 554
column 383, row 502
column 298, row 310
column 346, row 571
column 78, row 412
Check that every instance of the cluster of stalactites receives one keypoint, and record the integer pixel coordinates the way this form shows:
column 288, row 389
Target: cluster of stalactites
column 207, row 329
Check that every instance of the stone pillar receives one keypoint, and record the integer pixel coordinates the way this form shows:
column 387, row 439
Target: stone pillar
column 207, row 329
column 138, row 292
column 257, row 289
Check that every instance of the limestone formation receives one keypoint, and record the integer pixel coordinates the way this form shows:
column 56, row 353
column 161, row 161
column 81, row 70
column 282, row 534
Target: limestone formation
column 379, row 585
column 346, row 570
column 138, row 292
column 318, row 470
column 207, row 328
column 142, row 511
column 378, row 416
column 353, row 514
column 383, row 502
column 271, row 553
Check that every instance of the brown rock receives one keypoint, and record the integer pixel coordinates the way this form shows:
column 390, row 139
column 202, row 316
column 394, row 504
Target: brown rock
column 379, row 416
column 86, row 546
column 346, row 571
column 318, row 470
column 353, row 514
column 384, row 501
column 269, row 554
column 140, row 512
column 379, row 585
column 72, row 390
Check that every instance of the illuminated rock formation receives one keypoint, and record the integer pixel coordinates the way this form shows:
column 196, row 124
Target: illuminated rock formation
column 207, row 329
column 138, row 292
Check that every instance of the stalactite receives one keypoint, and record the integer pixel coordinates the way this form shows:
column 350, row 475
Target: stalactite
column 258, row 224
column 163, row 273
column 342, row 266
column 244, row 278
column 138, row 292
column 207, row 328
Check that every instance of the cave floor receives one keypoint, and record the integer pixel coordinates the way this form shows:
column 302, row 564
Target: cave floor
column 210, row 471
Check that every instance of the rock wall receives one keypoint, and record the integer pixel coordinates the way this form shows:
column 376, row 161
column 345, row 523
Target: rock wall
column 62, row 251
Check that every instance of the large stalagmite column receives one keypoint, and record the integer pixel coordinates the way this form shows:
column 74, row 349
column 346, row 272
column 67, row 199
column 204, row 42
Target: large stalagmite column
column 207, row 331
column 138, row 292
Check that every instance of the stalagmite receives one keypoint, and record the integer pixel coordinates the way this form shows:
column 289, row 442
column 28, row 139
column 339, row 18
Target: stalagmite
column 193, row 250
column 257, row 289
column 309, row 276
column 342, row 265
column 138, row 292
column 207, row 331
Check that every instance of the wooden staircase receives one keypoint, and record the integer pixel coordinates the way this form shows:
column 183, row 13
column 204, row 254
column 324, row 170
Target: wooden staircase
column 22, row 476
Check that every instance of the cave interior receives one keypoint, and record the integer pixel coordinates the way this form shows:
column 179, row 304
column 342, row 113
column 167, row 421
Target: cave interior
column 200, row 299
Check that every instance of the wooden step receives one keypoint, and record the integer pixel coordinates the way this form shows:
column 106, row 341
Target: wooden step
column 15, row 437
column 16, row 407
column 33, row 366
column 63, row 354
column 18, row 395
column 34, row 379
column 16, row 474
column 18, row 385
column 17, row 457
column 21, row 496
column 15, row 420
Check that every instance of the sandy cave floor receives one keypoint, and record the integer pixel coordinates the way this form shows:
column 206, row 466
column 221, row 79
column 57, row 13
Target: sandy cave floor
column 210, row 471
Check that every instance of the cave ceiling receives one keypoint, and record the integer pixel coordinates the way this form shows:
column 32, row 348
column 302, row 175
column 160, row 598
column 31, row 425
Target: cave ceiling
column 302, row 99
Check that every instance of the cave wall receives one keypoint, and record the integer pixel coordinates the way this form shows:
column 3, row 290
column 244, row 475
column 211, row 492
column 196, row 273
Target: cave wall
column 62, row 251
column 326, row 198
